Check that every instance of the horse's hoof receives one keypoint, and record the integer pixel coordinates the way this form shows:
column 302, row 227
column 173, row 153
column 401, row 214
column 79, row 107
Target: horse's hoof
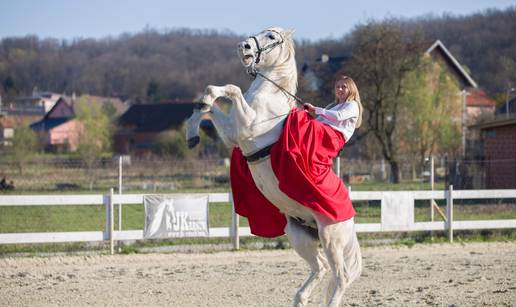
column 205, row 108
column 202, row 107
column 192, row 142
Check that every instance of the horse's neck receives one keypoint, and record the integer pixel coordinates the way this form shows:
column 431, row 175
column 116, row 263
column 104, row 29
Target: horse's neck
column 272, row 107
column 284, row 76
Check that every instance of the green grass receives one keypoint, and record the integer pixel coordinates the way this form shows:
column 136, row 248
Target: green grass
column 89, row 218
column 92, row 218
column 51, row 218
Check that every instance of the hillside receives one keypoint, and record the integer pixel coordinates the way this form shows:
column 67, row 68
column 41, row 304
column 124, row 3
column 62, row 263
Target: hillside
column 151, row 66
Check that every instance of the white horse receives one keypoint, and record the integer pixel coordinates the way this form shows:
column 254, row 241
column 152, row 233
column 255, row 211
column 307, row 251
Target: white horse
column 256, row 121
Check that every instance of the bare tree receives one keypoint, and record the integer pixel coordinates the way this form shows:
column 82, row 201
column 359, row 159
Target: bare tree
column 382, row 58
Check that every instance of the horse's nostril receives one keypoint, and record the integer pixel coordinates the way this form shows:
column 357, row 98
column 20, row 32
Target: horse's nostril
column 247, row 46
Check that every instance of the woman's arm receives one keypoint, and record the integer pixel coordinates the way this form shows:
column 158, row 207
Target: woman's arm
column 349, row 110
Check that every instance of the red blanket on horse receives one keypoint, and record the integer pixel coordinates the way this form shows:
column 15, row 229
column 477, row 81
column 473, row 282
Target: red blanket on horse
column 302, row 161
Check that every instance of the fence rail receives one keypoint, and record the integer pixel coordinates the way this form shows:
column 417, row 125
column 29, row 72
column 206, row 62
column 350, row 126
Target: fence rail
column 397, row 214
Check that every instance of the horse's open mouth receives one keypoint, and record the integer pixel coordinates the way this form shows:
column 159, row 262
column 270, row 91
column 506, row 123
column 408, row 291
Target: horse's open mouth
column 247, row 60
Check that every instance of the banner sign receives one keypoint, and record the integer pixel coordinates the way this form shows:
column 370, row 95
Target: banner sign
column 174, row 217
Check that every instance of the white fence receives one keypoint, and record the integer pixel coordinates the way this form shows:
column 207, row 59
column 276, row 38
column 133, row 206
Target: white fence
column 397, row 214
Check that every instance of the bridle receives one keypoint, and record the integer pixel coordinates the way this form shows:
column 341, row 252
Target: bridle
column 253, row 71
column 260, row 49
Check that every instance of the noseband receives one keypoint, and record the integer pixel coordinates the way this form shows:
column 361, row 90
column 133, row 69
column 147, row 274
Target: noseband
column 252, row 69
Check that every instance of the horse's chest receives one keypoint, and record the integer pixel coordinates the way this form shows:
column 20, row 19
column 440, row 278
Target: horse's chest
column 268, row 184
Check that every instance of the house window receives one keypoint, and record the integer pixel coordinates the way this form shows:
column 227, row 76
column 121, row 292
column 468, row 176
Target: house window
column 8, row 133
column 490, row 133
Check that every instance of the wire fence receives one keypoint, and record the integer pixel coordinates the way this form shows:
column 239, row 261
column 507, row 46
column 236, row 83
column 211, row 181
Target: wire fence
column 195, row 175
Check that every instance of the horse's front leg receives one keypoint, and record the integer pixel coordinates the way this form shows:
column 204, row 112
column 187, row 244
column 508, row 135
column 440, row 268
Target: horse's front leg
column 192, row 128
column 245, row 115
column 220, row 120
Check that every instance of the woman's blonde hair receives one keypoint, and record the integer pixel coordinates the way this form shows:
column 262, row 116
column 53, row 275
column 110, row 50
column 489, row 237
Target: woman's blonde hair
column 354, row 95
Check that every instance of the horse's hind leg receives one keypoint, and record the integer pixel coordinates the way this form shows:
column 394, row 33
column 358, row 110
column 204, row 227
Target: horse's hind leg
column 340, row 244
column 306, row 244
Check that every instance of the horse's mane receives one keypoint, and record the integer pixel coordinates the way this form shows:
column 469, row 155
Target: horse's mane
column 289, row 77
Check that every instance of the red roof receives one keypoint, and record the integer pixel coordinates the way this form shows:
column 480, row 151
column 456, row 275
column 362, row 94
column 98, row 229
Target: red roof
column 478, row 98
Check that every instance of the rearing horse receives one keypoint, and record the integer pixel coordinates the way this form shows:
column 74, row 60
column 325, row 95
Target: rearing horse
column 254, row 122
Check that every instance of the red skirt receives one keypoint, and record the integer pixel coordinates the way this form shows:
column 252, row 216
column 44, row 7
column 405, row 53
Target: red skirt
column 302, row 161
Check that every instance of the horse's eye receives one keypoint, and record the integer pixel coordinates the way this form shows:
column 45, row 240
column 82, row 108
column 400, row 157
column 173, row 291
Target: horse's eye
column 271, row 36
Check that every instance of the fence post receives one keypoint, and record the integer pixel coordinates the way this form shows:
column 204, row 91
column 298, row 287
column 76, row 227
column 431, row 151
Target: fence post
column 449, row 213
column 111, row 223
column 432, row 188
column 120, row 201
column 106, row 208
column 234, row 224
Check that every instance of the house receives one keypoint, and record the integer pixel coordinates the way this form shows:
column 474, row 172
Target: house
column 499, row 147
column 45, row 100
column 479, row 106
column 13, row 116
column 59, row 129
column 7, row 127
column 138, row 129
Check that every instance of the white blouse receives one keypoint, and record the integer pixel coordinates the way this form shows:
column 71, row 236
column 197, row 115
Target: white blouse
column 341, row 117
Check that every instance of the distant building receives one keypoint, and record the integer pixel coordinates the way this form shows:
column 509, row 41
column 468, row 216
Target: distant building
column 45, row 100
column 138, row 129
column 499, row 147
column 59, row 129
column 479, row 106
column 13, row 116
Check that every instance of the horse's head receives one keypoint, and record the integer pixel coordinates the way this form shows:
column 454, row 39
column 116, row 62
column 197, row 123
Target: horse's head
column 268, row 48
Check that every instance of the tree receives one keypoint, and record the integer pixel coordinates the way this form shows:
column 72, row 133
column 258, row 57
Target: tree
column 153, row 91
column 94, row 136
column 172, row 143
column 431, row 107
column 25, row 143
column 382, row 58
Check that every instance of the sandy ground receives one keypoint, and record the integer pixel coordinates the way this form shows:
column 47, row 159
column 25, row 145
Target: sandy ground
column 477, row 274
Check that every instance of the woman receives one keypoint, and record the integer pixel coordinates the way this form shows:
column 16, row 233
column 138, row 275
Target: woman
column 345, row 114
column 302, row 158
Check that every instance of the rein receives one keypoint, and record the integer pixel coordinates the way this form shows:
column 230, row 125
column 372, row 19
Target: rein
column 296, row 98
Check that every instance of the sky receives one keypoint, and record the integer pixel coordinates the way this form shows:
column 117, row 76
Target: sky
column 312, row 20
